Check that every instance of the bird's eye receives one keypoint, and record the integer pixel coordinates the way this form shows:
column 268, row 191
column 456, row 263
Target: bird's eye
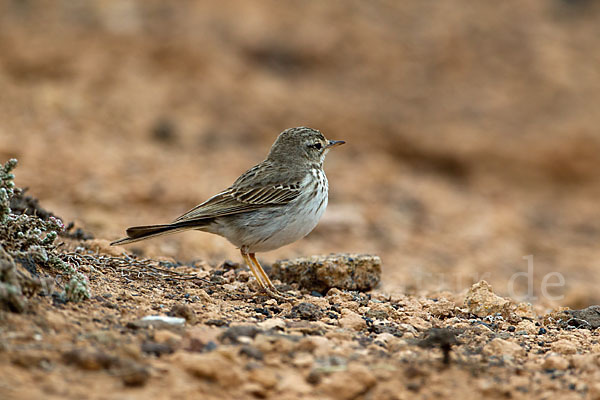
column 316, row 145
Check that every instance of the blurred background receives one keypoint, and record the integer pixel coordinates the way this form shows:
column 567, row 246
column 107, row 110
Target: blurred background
column 471, row 127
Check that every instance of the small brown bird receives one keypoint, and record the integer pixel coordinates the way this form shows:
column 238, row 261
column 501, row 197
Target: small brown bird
column 269, row 206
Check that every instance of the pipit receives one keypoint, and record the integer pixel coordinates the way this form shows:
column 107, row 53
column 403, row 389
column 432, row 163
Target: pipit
column 269, row 206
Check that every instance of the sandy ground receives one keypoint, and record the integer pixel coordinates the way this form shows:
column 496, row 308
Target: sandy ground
column 472, row 153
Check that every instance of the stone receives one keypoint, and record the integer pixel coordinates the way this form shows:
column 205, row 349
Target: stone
column 500, row 347
column 527, row 326
column 349, row 384
column 199, row 337
column 303, row 360
column 360, row 272
column 264, row 377
column 157, row 322
column 307, row 311
column 585, row 362
column 89, row 360
column 235, row 334
column 184, row 311
column 293, row 382
column 441, row 308
column 525, row 310
column 586, row 318
column 563, row 346
column 167, row 337
column 305, row 327
column 482, row 301
column 554, row 361
column 30, row 359
column 213, row 367
column 254, row 389
column 351, row 320
column 134, row 374
column 594, row 391
column 384, row 338
column 157, row 349
column 317, row 345
column 272, row 324
column 252, row 352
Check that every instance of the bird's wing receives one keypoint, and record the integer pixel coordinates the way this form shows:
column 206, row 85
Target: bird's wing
column 253, row 190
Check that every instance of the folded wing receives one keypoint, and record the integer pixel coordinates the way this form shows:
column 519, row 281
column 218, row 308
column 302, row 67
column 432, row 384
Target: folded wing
column 250, row 192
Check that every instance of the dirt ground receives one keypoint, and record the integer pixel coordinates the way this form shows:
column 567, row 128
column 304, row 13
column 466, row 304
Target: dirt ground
column 472, row 153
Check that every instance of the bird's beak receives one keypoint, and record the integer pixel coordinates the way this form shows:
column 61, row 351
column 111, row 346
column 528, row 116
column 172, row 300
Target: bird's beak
column 335, row 143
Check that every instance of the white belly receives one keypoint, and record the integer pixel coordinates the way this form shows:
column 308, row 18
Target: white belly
column 273, row 227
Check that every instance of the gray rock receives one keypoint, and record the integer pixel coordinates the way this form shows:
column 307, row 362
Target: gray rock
column 306, row 311
column 586, row 318
column 233, row 334
column 360, row 272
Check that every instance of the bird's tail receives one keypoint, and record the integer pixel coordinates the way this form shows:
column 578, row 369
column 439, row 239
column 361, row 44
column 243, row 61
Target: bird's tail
column 137, row 233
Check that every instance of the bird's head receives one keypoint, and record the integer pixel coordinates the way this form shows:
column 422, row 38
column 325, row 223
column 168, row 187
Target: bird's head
column 301, row 145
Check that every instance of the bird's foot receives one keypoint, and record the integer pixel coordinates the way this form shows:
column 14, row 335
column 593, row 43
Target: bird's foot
column 278, row 295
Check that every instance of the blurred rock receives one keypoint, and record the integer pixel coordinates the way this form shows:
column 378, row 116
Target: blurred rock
column 264, row 377
column 500, row 347
column 184, row 311
column 134, row 374
column 554, row 361
column 528, row 327
column 441, row 308
column 201, row 338
column 211, row 366
column 157, row 322
column 360, row 272
column 306, row 311
column 252, row 352
column 272, row 324
column 89, row 359
column 586, row 318
column 564, row 346
column 482, row 301
column 167, row 337
column 524, row 310
column 351, row 320
column 164, row 131
column 30, row 359
column 349, row 384
column 158, row 349
column 235, row 334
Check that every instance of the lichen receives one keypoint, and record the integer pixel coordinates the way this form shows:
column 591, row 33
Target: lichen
column 27, row 247
column 7, row 186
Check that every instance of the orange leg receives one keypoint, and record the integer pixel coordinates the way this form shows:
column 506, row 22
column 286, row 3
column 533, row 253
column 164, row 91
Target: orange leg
column 262, row 272
column 270, row 288
column 260, row 275
column 253, row 269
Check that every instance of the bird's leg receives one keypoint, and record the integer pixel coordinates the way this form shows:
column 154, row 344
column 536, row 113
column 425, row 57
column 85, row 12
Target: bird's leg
column 270, row 288
column 253, row 269
column 259, row 274
column 262, row 272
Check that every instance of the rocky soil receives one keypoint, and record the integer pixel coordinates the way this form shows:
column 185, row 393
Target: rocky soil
column 156, row 329
column 470, row 164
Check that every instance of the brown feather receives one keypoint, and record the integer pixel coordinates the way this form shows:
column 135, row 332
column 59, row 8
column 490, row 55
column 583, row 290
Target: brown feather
column 258, row 187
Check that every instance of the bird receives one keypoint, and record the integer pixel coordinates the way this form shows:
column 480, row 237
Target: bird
column 275, row 203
